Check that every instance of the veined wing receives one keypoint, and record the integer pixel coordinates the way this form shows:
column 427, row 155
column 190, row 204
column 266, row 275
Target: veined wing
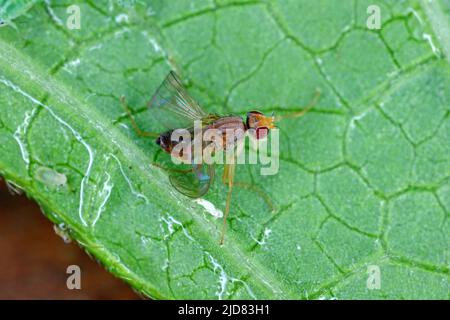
column 193, row 183
column 173, row 107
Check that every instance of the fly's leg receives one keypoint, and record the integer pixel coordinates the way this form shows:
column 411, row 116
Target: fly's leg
column 259, row 191
column 298, row 114
column 227, row 178
column 136, row 128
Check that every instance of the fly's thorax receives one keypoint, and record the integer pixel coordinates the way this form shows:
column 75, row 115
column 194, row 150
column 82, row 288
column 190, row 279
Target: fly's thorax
column 230, row 122
column 231, row 129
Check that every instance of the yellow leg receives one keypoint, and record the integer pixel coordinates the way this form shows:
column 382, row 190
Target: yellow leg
column 302, row 112
column 136, row 128
column 228, row 176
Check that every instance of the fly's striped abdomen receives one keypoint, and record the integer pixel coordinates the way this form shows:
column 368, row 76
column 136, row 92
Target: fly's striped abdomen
column 231, row 128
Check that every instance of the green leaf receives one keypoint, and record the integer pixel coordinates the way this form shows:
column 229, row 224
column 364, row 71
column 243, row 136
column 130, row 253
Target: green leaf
column 10, row 9
column 364, row 177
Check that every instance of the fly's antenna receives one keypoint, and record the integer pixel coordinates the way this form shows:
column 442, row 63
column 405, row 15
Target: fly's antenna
column 136, row 128
column 300, row 113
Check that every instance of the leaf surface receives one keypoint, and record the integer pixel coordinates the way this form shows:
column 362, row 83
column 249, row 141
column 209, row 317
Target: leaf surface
column 364, row 177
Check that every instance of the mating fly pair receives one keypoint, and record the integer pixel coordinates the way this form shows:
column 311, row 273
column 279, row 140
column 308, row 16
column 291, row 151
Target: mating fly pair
column 175, row 109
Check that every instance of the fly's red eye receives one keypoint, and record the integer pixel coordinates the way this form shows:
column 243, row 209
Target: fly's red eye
column 262, row 132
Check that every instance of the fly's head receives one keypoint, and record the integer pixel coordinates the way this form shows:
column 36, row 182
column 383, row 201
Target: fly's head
column 260, row 123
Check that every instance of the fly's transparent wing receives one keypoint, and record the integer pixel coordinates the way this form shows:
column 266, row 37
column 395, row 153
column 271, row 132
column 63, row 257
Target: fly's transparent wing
column 194, row 183
column 173, row 107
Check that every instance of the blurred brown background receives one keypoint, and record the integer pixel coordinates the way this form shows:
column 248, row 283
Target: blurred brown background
column 34, row 259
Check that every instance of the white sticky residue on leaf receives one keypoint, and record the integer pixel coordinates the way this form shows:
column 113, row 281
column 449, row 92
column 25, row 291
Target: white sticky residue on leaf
column 428, row 38
column 123, row 125
column 346, row 28
column 127, row 179
column 326, row 298
column 110, row 6
column 169, row 228
column 68, row 66
column 224, row 279
column 145, row 240
column 159, row 49
column 319, row 61
column 156, row 46
column 88, row 96
column 357, row 118
column 122, row 18
column 52, row 13
column 165, row 265
column 73, row 63
column 50, row 177
column 210, row 207
column 104, row 195
column 20, row 135
column 170, row 221
column 299, row 247
column 77, row 136
column 264, row 237
column 415, row 14
column 96, row 47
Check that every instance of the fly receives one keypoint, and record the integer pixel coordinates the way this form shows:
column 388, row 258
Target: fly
column 174, row 108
